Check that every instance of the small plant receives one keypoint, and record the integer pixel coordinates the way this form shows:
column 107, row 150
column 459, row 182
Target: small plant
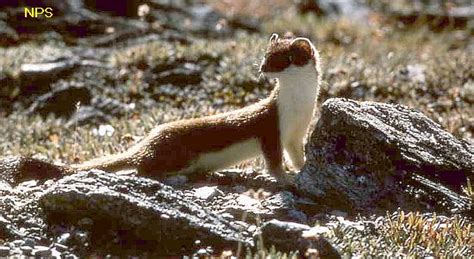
column 438, row 235
column 469, row 190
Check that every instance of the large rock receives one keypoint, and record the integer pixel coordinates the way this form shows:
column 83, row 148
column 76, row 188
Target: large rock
column 333, row 8
column 365, row 155
column 436, row 15
column 144, row 209
column 62, row 100
column 37, row 78
column 20, row 216
column 74, row 19
column 120, row 7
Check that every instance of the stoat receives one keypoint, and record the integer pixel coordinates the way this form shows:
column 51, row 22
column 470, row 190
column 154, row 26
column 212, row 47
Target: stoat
column 267, row 128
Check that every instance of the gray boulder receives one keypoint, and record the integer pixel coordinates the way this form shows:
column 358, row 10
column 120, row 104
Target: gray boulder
column 365, row 155
column 145, row 209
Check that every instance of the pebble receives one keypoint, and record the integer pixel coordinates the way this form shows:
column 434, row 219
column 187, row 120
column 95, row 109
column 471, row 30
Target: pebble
column 60, row 247
column 55, row 253
column 64, row 238
column 202, row 252
column 4, row 251
column 18, row 242
column 81, row 236
column 467, row 91
column 85, row 222
column 206, row 192
column 42, row 251
column 29, row 242
column 26, row 250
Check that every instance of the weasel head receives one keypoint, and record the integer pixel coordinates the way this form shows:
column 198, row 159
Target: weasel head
column 290, row 57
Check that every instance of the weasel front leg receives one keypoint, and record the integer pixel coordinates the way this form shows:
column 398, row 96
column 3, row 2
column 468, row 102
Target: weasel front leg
column 273, row 155
column 295, row 150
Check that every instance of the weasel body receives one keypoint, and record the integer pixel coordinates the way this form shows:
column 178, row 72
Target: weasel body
column 268, row 127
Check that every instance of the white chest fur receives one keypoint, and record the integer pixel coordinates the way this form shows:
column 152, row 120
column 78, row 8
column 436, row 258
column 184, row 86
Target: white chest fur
column 298, row 92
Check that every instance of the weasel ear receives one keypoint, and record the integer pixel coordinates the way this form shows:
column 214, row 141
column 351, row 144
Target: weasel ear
column 273, row 38
column 304, row 45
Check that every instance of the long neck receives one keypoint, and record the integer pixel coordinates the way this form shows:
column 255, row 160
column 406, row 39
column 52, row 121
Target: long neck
column 301, row 86
column 298, row 91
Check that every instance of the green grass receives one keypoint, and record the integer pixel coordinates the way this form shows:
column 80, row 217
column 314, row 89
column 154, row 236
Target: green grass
column 365, row 62
column 405, row 234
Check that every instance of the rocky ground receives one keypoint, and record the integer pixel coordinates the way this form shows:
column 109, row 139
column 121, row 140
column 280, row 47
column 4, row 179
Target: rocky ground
column 387, row 169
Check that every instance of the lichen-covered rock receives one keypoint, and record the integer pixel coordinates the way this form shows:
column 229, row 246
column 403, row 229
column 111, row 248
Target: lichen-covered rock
column 20, row 216
column 363, row 155
column 144, row 209
column 61, row 101
column 48, row 71
column 74, row 19
column 186, row 74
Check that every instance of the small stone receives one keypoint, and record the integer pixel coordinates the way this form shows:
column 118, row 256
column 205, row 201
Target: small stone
column 315, row 231
column 18, row 243
column 227, row 215
column 85, row 222
column 42, row 251
column 81, row 236
column 338, row 213
column 416, row 73
column 30, row 242
column 64, row 238
column 202, row 252
column 4, row 251
column 26, row 250
column 60, row 247
column 55, row 253
column 206, row 193
column 467, row 91
column 176, row 181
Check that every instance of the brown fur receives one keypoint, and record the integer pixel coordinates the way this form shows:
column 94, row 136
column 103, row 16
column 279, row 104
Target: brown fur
column 282, row 53
column 173, row 146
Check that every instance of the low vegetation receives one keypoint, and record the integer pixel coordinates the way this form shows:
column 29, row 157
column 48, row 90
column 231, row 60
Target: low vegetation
column 367, row 60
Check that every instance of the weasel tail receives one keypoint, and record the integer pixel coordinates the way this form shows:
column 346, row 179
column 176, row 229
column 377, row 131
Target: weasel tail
column 112, row 163
column 270, row 127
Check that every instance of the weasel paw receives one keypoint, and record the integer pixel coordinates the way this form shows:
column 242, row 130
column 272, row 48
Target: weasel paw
column 298, row 163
